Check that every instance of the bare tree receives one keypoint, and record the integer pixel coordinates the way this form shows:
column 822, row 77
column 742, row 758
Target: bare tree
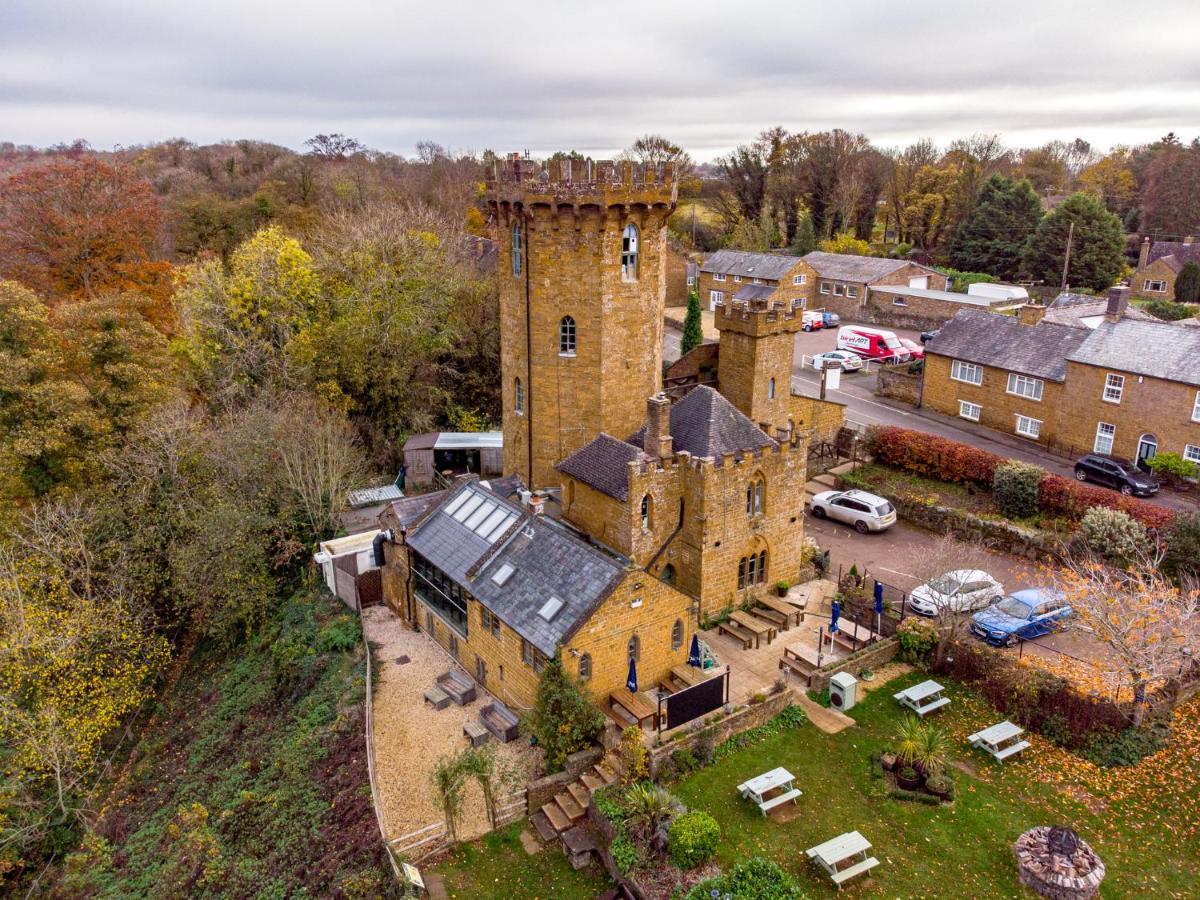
column 947, row 567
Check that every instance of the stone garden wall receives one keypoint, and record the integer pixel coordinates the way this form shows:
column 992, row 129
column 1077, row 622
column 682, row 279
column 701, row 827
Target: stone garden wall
column 734, row 723
column 896, row 384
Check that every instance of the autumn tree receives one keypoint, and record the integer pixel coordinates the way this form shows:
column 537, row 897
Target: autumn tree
column 82, row 228
column 1168, row 175
column 1111, row 179
column 1097, row 245
column 992, row 237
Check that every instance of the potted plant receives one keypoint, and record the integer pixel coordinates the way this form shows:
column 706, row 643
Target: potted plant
column 887, row 759
column 866, row 675
column 938, row 785
column 908, row 778
column 782, row 587
column 930, row 756
column 908, row 740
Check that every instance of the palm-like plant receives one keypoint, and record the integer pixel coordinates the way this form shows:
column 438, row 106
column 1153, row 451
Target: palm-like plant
column 909, row 739
column 648, row 805
column 932, row 749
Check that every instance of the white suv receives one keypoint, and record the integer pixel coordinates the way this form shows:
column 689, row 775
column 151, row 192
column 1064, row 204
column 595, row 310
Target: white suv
column 866, row 512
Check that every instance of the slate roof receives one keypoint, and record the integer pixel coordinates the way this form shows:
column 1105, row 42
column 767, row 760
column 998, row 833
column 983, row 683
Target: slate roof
column 1001, row 341
column 1175, row 253
column 411, row 510
column 602, row 463
column 1157, row 349
column 863, row 269
column 546, row 559
column 705, row 424
column 755, row 292
column 773, row 266
column 1086, row 311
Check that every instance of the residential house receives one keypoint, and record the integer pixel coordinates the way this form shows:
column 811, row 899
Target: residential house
column 842, row 280
column 742, row 275
column 1159, row 262
column 900, row 306
column 1087, row 311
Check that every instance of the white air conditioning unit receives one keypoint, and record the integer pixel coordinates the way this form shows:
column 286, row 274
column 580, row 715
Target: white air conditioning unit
column 843, row 691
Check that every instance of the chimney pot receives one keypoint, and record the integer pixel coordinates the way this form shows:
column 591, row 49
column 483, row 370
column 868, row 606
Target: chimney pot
column 1118, row 301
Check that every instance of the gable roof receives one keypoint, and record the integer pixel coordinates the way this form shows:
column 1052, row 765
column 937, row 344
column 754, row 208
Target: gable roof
column 864, row 269
column 602, row 463
column 1087, row 311
column 1157, row 349
column 1174, row 253
column 773, row 266
column 705, row 424
column 755, row 292
column 991, row 339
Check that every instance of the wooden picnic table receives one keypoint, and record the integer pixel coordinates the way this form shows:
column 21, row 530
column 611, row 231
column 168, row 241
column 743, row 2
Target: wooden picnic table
column 756, row 626
column 759, row 786
column 923, row 698
column 635, row 704
column 995, row 740
column 801, row 659
column 835, row 852
column 785, row 609
column 689, row 675
column 851, row 635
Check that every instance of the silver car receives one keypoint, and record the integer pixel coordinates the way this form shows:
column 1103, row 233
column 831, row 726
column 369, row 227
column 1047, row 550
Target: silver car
column 963, row 590
column 866, row 512
column 838, row 359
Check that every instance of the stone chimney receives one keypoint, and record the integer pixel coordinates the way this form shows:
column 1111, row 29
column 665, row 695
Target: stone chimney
column 1118, row 301
column 537, row 503
column 1030, row 313
column 658, row 426
column 1144, row 253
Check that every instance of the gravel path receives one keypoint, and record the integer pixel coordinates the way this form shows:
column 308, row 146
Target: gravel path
column 410, row 736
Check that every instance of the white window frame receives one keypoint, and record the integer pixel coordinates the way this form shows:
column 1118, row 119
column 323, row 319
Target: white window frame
column 798, row 280
column 715, row 297
column 1114, row 387
column 518, row 397
column 567, row 336
column 1191, row 453
column 717, row 276
column 737, row 279
column 899, row 301
column 961, row 371
column 1196, row 408
column 630, row 237
column 1154, row 286
column 969, row 411
column 839, row 289
column 1024, row 430
column 1025, row 386
column 825, row 289
column 1110, row 436
column 851, row 292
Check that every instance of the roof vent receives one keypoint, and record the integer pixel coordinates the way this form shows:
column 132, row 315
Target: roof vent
column 502, row 574
column 550, row 608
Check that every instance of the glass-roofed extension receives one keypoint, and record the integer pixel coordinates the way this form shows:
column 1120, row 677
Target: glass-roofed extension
column 439, row 592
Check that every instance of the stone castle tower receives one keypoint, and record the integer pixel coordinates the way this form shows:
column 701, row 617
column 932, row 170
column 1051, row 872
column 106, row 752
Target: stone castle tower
column 757, row 340
column 582, row 270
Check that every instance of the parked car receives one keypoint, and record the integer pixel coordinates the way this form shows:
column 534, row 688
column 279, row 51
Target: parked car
column 962, row 590
column 915, row 350
column 813, row 320
column 1021, row 616
column 871, row 343
column 927, row 336
column 1116, row 473
column 866, row 512
column 832, row 320
column 838, row 359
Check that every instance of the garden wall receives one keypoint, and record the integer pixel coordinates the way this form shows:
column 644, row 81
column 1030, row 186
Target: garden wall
column 997, row 534
column 896, row 384
column 736, row 722
column 872, row 657
column 540, row 792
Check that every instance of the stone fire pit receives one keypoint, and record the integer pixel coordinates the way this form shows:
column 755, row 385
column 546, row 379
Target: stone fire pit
column 1057, row 863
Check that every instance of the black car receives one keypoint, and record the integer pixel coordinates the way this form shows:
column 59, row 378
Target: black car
column 927, row 336
column 1116, row 473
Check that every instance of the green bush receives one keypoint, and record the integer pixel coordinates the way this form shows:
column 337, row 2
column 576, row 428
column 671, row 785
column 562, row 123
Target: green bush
column 625, row 853
column 693, row 839
column 1183, row 547
column 1111, row 533
column 754, row 879
column 1172, row 465
column 693, row 329
column 1168, row 311
column 1015, row 488
column 564, row 719
column 918, row 639
column 1128, row 747
column 685, row 761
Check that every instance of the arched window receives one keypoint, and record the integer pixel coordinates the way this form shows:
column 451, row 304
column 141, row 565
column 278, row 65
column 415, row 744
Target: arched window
column 516, row 249
column 629, row 253
column 518, row 397
column 646, row 508
column 752, row 571
column 635, row 648
column 756, row 492
column 677, row 634
column 566, row 336
column 668, row 574
column 585, row 667
column 762, row 567
column 771, row 389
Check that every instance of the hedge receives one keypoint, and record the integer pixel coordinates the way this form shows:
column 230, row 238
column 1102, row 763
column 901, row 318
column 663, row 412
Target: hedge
column 945, row 460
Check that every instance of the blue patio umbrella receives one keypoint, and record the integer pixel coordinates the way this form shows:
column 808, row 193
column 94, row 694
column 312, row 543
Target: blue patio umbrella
column 694, row 652
column 834, row 612
column 631, row 681
column 878, row 605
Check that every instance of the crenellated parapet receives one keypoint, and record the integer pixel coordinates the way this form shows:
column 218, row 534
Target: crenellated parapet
column 577, row 184
column 758, row 318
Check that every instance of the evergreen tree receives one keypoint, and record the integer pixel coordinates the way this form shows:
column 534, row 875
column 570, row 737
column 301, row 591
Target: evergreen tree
column 1097, row 248
column 1187, row 284
column 991, row 238
column 805, row 240
column 693, row 331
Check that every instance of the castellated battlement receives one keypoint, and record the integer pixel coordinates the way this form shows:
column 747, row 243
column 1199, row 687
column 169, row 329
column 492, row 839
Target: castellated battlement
column 757, row 317
column 644, row 465
column 584, row 182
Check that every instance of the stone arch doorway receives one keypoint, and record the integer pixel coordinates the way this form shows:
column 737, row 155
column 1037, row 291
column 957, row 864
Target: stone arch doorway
column 1147, row 448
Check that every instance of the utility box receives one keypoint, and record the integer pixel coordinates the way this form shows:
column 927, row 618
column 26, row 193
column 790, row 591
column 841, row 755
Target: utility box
column 843, row 691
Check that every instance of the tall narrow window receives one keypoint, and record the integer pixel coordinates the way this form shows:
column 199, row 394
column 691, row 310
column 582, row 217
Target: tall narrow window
column 755, row 494
column 762, row 567
column 771, row 389
column 752, row 571
column 585, row 667
column 677, row 634
column 1105, row 434
column 516, row 249
column 668, row 574
column 566, row 336
column 635, row 648
column 629, row 253
column 646, row 511
column 518, row 397
column 741, row 573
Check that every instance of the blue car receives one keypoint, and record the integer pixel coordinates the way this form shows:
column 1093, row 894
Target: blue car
column 830, row 320
column 1021, row 616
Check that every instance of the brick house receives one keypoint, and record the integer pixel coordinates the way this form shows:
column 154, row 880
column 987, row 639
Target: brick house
column 1159, row 262
column 841, row 280
column 741, row 275
column 1126, row 385
column 900, row 306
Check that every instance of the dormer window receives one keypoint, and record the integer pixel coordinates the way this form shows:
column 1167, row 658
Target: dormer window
column 629, row 253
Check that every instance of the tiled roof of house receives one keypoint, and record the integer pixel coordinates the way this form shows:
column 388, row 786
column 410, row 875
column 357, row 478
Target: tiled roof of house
column 749, row 265
column 863, row 269
column 1156, row 349
column 705, row 424
column 1086, row 311
column 602, row 463
column 754, row 292
column 517, row 563
column 1175, row 253
column 1000, row 341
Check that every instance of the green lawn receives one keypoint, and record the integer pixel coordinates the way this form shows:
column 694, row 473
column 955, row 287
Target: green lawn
column 954, row 851
column 498, row 866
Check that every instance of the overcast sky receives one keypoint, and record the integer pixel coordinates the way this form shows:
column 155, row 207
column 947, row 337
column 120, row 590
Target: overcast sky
column 565, row 75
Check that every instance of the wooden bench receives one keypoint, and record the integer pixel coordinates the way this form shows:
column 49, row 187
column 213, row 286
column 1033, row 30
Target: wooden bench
column 689, row 675
column 637, row 706
column 783, row 607
column 738, row 633
column 857, row 869
column 787, row 797
column 757, row 627
column 476, row 733
column 500, row 721
column 459, row 686
column 799, row 666
column 437, row 698
column 776, row 619
column 852, row 637
column 621, row 714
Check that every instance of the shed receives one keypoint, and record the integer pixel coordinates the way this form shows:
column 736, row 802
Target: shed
column 350, row 569
column 451, row 453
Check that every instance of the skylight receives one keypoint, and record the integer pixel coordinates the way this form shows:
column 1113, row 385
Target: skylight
column 502, row 574
column 550, row 608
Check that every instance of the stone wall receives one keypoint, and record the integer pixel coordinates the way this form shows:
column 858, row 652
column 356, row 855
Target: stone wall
column 736, row 722
column 540, row 792
column 872, row 657
column 822, row 419
column 897, row 384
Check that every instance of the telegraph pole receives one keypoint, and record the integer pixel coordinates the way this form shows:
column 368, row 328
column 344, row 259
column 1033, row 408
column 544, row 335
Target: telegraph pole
column 1067, row 259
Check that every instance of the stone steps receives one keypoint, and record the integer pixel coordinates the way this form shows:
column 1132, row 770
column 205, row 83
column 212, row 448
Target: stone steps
column 580, row 793
column 567, row 804
column 559, row 819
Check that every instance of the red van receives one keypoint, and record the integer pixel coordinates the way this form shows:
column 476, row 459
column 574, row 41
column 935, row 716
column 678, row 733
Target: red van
column 872, row 343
